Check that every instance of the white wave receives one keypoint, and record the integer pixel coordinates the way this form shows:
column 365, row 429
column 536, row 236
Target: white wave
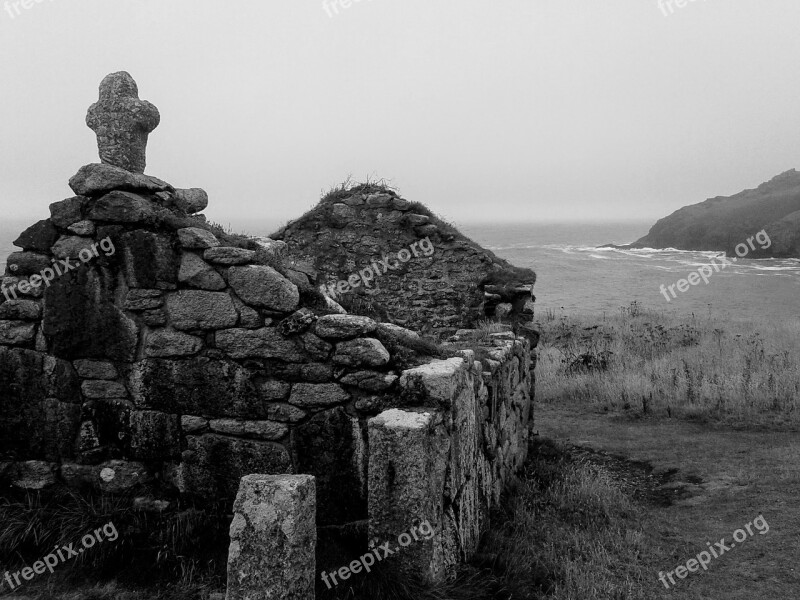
column 759, row 268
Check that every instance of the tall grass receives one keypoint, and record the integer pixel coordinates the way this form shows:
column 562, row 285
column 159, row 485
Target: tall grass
column 569, row 533
column 185, row 544
column 672, row 366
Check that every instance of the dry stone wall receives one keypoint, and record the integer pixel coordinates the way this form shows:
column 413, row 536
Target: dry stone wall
column 447, row 458
column 379, row 254
column 173, row 362
column 442, row 459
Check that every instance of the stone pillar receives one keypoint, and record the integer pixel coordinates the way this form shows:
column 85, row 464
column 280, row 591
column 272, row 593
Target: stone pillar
column 273, row 539
column 407, row 471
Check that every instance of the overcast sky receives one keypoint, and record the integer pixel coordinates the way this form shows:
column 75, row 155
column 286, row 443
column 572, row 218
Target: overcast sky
column 503, row 110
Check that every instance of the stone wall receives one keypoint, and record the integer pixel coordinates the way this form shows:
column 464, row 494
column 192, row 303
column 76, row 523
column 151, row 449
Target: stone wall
column 139, row 350
column 446, row 281
column 442, row 460
column 175, row 359
column 448, row 457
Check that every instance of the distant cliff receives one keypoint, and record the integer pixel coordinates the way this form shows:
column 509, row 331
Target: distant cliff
column 723, row 222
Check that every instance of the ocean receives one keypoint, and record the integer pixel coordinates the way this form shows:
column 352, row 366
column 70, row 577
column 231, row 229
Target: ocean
column 577, row 276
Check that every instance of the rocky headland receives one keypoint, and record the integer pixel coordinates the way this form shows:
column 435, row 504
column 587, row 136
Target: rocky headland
column 723, row 222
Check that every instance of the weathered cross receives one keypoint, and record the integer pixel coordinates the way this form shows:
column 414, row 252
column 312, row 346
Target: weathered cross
column 122, row 122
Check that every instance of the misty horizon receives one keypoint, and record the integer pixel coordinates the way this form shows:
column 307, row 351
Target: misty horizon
column 538, row 112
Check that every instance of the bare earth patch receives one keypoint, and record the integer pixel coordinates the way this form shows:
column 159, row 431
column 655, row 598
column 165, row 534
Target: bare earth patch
column 700, row 484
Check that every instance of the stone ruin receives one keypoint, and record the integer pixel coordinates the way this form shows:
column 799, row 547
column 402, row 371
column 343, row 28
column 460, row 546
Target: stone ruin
column 454, row 284
column 146, row 353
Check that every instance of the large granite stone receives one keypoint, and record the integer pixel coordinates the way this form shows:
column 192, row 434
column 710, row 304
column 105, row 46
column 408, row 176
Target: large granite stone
column 273, row 389
column 316, row 347
column 111, row 477
column 192, row 200
column 249, row 318
column 95, row 369
column 124, row 207
column 197, row 386
column 407, row 474
column 194, row 238
column 22, row 310
column 361, row 352
column 192, row 424
column 40, row 402
column 99, row 388
column 398, row 334
column 58, row 428
column 16, row 333
column 215, row 464
column 33, row 475
column 286, row 413
column 195, row 309
column 197, row 273
column 168, row 343
column 20, row 264
column 258, row 343
column 225, row 255
column 14, row 287
column 96, row 179
column 273, row 539
column 82, row 319
column 73, row 246
column 437, row 381
column 372, row 381
column 298, row 322
column 141, row 300
column 154, row 435
column 150, row 259
column 261, row 430
column 83, row 228
column 66, row 212
column 313, row 395
column 264, row 287
column 38, row 237
column 344, row 326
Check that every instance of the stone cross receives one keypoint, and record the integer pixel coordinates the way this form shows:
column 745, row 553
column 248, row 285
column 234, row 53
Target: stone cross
column 122, row 122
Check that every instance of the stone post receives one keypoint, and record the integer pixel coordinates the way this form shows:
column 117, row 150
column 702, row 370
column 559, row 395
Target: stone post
column 407, row 470
column 273, row 539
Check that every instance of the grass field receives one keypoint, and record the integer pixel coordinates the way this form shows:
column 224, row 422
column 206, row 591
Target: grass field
column 695, row 419
column 697, row 367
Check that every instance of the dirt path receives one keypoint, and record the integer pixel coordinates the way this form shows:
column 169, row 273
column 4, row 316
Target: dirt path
column 701, row 485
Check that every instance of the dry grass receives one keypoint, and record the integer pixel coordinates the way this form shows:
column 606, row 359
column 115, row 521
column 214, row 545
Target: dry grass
column 569, row 533
column 184, row 548
column 690, row 367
